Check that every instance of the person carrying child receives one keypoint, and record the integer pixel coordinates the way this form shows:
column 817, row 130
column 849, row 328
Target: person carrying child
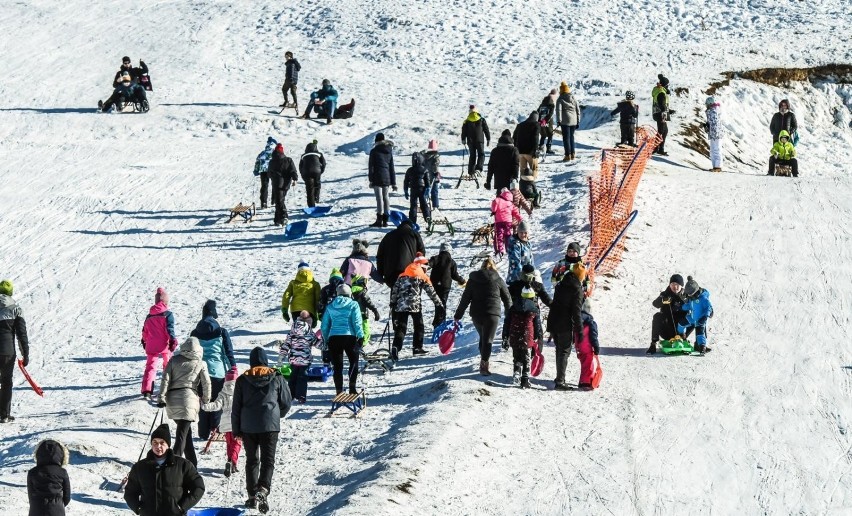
column 505, row 215
column 587, row 349
column 223, row 403
column 698, row 309
column 360, row 295
column 48, row 486
column 297, row 350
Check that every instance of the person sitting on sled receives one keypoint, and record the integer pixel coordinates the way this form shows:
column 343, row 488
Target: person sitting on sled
column 783, row 153
column 323, row 101
column 345, row 110
column 128, row 68
column 126, row 92
column 698, row 309
column 670, row 304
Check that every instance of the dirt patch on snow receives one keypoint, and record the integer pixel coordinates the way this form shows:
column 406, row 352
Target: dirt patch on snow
column 840, row 73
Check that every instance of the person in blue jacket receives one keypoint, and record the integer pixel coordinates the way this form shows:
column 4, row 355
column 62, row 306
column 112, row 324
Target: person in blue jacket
column 323, row 101
column 342, row 331
column 698, row 309
column 219, row 357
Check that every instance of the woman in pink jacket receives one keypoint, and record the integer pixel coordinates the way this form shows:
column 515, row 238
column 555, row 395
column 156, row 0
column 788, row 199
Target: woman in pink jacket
column 505, row 213
column 158, row 339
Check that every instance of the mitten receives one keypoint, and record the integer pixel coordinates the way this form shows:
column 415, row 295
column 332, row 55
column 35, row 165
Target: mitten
column 143, row 343
column 161, row 404
column 26, row 361
column 376, row 315
column 487, row 185
column 173, row 344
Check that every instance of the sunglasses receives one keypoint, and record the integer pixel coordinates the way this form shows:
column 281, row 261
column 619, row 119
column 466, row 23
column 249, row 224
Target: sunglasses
column 126, row 62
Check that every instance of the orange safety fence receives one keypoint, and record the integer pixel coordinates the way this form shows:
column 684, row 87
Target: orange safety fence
column 611, row 196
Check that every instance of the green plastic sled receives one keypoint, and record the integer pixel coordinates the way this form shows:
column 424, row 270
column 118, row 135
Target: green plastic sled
column 676, row 347
column 285, row 370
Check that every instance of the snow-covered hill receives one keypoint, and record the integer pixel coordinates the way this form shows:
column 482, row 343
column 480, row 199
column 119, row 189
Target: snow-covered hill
column 99, row 210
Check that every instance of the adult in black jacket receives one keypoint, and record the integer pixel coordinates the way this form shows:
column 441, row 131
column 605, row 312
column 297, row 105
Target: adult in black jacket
column 382, row 176
column 135, row 73
column 397, row 250
column 669, row 303
column 489, row 298
column 163, row 484
column 565, row 322
column 261, row 399
column 417, row 186
column 503, row 163
column 311, row 168
column 291, row 76
column 282, row 174
column 12, row 326
column 526, row 140
column 476, row 136
column 48, row 486
column 444, row 272
column 783, row 120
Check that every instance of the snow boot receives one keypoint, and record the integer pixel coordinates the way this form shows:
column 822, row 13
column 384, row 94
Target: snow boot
column 7, row 419
column 100, row 105
column 483, row 368
column 385, row 220
column 419, row 351
column 251, row 502
column 516, row 377
column 378, row 222
column 561, row 366
column 228, row 469
column 550, row 151
column 567, row 158
column 262, row 502
column 652, row 348
column 525, row 383
column 562, row 387
column 586, row 387
column 147, row 395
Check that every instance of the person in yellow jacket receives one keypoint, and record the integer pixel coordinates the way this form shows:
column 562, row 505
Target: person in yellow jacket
column 303, row 293
column 783, row 153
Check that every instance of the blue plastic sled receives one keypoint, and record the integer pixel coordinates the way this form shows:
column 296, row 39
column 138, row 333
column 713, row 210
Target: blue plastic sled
column 216, row 511
column 317, row 211
column 396, row 218
column 296, row 229
column 441, row 328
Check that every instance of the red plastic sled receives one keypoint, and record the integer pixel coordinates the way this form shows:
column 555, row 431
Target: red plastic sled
column 598, row 376
column 29, row 378
column 446, row 342
column 537, row 361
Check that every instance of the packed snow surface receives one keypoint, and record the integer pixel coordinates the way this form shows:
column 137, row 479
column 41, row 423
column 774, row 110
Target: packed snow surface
column 99, row 210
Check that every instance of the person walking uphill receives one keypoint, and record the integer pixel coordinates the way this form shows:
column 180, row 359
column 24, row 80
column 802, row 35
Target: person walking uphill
column 303, row 293
column 261, row 169
column 445, row 271
column 381, row 175
column 397, row 250
column 222, row 404
column 660, row 111
column 291, row 78
column 343, row 332
column 476, row 136
column 568, row 119
column 261, row 400
column 503, row 163
column 546, row 110
column 163, row 484
column 12, row 326
column 405, row 302
column 48, row 486
column 526, row 140
column 158, row 339
column 183, row 381
column 282, row 172
column 219, row 358
column 484, row 292
column 311, row 168
column 358, row 264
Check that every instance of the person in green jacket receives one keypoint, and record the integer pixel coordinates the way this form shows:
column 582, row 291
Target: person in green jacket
column 303, row 293
column 783, row 153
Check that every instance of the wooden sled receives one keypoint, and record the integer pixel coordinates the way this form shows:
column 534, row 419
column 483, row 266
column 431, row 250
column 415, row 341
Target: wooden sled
column 381, row 356
column 439, row 219
column 215, row 437
column 356, row 403
column 244, row 211
column 783, row 170
column 475, row 177
column 483, row 235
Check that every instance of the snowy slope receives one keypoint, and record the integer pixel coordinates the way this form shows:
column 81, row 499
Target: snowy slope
column 99, row 210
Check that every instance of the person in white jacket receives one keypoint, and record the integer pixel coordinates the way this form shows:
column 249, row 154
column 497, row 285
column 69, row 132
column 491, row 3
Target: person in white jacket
column 223, row 402
column 715, row 133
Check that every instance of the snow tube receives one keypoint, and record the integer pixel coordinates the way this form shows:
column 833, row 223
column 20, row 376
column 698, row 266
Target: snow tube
column 676, row 347
column 440, row 329
column 296, row 230
column 537, row 363
column 216, row 511
column 446, row 342
column 397, row 217
column 317, row 211
column 598, row 376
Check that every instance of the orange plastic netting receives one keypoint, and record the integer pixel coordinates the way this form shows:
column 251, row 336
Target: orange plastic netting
column 611, row 196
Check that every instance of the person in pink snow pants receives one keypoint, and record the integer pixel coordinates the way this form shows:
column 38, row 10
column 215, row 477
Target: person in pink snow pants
column 158, row 339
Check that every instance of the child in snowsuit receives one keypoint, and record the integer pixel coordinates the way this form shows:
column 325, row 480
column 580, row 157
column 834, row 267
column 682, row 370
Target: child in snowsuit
column 783, row 153
column 302, row 293
column 698, row 309
column 629, row 113
column 360, row 295
column 505, row 214
column 418, row 180
column 158, row 339
column 715, row 132
column 223, row 403
column 522, row 327
column 297, row 349
column 445, row 271
column 587, row 349
column 48, row 486
column 518, row 198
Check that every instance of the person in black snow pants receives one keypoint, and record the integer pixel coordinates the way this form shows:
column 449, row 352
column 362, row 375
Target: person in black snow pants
column 784, row 120
column 311, row 168
column 418, row 182
column 670, row 303
column 661, row 112
column 629, row 113
column 382, row 176
column 12, row 326
column 444, row 272
column 476, row 136
column 282, row 172
column 291, row 77
column 48, row 486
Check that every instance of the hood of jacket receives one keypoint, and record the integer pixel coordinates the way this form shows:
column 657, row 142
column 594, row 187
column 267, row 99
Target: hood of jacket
column 505, row 139
column 484, row 277
column 300, row 327
column 311, row 147
column 207, row 326
column 258, row 357
column 533, row 118
column 341, row 302
column 414, row 270
column 305, row 276
column 473, row 117
column 783, row 134
column 566, row 97
column 50, row 453
column 7, row 301
column 384, row 146
column 158, row 308
column 507, row 196
column 209, row 309
column 191, row 349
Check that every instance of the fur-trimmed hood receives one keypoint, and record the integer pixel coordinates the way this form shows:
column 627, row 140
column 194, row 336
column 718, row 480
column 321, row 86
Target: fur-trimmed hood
column 50, row 452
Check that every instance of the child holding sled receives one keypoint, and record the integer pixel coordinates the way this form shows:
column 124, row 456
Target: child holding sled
column 587, row 349
column 505, row 214
column 223, row 402
column 297, row 350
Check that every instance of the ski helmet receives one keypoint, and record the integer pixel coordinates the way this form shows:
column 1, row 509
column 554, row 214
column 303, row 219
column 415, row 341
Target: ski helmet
column 629, row 95
column 710, row 101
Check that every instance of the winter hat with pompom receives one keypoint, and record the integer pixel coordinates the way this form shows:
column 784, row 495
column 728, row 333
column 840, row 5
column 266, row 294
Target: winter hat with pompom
column 710, row 101
column 6, row 287
column 279, row 148
column 523, row 227
column 433, row 145
column 161, row 296
column 445, row 248
column 304, row 265
column 691, row 288
column 335, row 273
column 344, row 290
column 563, row 87
column 359, row 246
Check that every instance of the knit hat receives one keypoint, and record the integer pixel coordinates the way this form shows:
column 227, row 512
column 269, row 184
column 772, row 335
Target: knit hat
column 359, row 246
column 232, row 374
column 506, row 132
column 125, row 76
column 125, row 59
column 676, row 278
column 663, row 79
column 209, row 309
column 691, row 288
column 528, row 268
column 6, row 287
column 326, row 82
column 288, row 53
column 564, row 88
column 513, row 185
column 523, row 227
column 380, row 137
column 421, row 260
column 473, row 107
column 433, row 145
column 575, row 246
column 270, row 139
column 279, row 148
column 335, row 273
column 344, row 290
column 304, row 265
column 163, row 432
column 629, row 95
column 710, row 101
column 445, row 247
column 161, row 296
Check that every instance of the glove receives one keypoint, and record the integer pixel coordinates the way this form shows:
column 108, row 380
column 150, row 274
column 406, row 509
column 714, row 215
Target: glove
column 376, row 315
column 462, row 284
column 488, row 143
column 161, row 404
column 597, row 352
column 667, row 300
column 487, row 185
column 286, row 316
column 173, row 344
column 293, row 184
column 26, row 361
